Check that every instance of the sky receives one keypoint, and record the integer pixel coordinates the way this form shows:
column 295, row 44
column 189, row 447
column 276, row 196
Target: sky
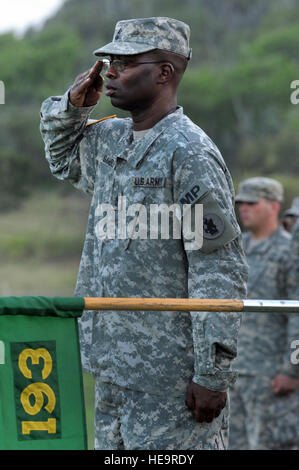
column 18, row 15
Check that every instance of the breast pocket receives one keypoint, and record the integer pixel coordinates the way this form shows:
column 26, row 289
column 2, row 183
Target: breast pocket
column 149, row 214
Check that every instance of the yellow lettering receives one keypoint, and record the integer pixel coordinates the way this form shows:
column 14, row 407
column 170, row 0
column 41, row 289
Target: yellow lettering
column 35, row 355
column 49, row 426
column 37, row 390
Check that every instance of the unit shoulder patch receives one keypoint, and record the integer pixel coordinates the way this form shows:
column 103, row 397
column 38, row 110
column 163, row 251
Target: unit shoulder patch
column 217, row 226
column 213, row 226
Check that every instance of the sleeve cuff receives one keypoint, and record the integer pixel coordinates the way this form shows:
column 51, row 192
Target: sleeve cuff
column 66, row 105
column 289, row 369
column 219, row 382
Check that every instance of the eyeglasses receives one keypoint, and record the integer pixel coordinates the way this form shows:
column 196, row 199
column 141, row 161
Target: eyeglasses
column 119, row 65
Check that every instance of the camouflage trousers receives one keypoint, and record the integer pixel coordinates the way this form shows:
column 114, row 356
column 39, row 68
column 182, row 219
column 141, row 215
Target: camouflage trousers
column 261, row 420
column 131, row 420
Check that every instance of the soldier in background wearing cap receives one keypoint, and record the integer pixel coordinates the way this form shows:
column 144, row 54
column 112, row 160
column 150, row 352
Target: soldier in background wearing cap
column 144, row 362
column 291, row 219
column 291, row 215
column 265, row 398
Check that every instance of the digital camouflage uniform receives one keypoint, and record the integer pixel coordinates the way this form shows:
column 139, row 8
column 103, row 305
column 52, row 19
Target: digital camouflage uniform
column 295, row 240
column 291, row 215
column 259, row 418
column 294, row 271
column 143, row 361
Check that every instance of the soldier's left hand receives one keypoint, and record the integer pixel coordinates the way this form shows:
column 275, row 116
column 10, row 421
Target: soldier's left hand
column 206, row 404
column 283, row 384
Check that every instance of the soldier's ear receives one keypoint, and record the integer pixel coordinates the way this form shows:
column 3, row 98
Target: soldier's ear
column 166, row 74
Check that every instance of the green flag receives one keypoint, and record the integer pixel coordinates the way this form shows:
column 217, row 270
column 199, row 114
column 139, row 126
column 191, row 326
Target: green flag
column 41, row 391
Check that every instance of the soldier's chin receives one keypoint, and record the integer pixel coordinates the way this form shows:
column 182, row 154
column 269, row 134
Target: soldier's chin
column 248, row 225
column 117, row 103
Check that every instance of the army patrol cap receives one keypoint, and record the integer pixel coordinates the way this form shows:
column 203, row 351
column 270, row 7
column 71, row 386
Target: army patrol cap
column 254, row 189
column 147, row 34
column 294, row 209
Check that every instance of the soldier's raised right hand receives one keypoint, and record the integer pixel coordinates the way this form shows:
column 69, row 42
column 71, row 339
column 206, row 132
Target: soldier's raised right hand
column 88, row 87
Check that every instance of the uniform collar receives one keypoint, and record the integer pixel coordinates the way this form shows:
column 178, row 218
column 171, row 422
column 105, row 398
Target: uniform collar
column 138, row 149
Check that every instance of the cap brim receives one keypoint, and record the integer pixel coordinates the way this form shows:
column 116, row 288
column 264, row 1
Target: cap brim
column 291, row 212
column 123, row 48
column 244, row 198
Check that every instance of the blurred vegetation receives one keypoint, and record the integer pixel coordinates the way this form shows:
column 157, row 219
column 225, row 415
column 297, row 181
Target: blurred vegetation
column 49, row 229
column 40, row 244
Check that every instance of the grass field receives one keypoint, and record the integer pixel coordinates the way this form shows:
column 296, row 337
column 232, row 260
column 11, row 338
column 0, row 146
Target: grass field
column 40, row 248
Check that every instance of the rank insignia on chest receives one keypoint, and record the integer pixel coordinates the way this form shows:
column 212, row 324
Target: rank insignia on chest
column 148, row 181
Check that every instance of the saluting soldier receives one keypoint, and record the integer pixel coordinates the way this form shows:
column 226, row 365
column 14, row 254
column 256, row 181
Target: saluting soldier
column 265, row 397
column 161, row 377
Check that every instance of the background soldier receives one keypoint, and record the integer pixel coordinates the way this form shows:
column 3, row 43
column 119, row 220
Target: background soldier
column 291, row 215
column 265, row 398
column 144, row 361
